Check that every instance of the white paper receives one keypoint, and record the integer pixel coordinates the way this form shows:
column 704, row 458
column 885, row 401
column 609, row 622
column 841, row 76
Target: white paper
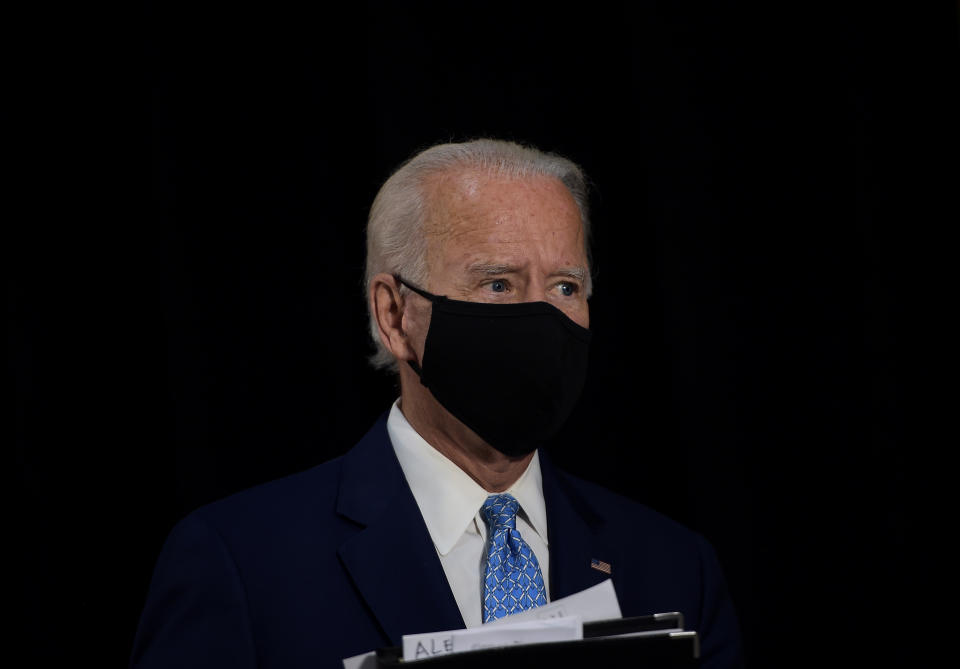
column 596, row 603
column 423, row 646
column 533, row 631
column 363, row 661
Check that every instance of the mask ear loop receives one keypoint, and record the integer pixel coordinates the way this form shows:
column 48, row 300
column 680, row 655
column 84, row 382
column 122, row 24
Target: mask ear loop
column 419, row 291
column 429, row 296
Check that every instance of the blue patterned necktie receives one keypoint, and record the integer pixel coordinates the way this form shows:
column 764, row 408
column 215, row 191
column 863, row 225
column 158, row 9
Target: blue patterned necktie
column 513, row 581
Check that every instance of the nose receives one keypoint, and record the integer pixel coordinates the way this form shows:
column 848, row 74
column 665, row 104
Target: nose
column 534, row 290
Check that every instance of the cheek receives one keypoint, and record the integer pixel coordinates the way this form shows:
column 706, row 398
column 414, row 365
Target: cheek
column 585, row 316
column 579, row 314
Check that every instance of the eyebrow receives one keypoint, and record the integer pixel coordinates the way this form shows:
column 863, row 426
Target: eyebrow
column 578, row 273
column 491, row 268
column 494, row 269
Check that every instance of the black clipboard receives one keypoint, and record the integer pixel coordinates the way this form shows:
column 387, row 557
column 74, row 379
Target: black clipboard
column 651, row 642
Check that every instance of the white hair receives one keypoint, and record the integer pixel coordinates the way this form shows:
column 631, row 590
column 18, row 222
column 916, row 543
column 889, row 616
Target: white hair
column 396, row 243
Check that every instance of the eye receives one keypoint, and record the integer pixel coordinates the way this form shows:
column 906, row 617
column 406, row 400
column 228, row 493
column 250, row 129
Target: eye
column 498, row 286
column 568, row 289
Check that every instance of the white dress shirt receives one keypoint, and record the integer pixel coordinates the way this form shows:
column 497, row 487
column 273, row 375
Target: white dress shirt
column 450, row 503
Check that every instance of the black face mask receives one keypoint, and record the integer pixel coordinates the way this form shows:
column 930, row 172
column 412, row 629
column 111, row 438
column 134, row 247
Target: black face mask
column 512, row 373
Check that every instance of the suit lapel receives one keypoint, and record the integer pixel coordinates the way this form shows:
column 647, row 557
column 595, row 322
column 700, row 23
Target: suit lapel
column 392, row 559
column 573, row 530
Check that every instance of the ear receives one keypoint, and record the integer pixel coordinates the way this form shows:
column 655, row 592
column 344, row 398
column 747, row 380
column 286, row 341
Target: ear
column 387, row 305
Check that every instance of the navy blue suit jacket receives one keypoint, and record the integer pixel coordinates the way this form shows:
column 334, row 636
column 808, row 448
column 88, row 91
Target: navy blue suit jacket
column 337, row 561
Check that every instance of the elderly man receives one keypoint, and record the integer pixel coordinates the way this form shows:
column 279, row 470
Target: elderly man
column 445, row 514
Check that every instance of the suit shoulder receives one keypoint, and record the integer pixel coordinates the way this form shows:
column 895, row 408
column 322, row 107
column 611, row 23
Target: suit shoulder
column 620, row 513
column 268, row 508
column 300, row 511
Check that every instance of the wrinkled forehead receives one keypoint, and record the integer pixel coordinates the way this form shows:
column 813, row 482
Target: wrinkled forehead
column 463, row 200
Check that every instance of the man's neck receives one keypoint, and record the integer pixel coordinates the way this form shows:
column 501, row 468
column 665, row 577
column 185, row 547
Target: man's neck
column 491, row 469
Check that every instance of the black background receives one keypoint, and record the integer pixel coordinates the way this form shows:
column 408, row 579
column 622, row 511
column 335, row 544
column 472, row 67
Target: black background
column 773, row 188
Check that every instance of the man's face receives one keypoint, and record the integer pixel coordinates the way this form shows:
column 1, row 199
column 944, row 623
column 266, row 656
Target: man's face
column 494, row 239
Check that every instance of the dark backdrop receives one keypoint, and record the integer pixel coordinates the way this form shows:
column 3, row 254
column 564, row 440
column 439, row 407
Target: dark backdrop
column 770, row 184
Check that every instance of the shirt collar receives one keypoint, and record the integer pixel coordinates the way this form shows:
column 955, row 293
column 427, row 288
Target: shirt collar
column 528, row 489
column 448, row 498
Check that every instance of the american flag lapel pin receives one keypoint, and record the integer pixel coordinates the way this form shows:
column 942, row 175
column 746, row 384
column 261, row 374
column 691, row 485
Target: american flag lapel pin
column 600, row 565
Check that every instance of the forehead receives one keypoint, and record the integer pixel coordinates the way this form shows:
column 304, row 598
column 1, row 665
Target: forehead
column 470, row 210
